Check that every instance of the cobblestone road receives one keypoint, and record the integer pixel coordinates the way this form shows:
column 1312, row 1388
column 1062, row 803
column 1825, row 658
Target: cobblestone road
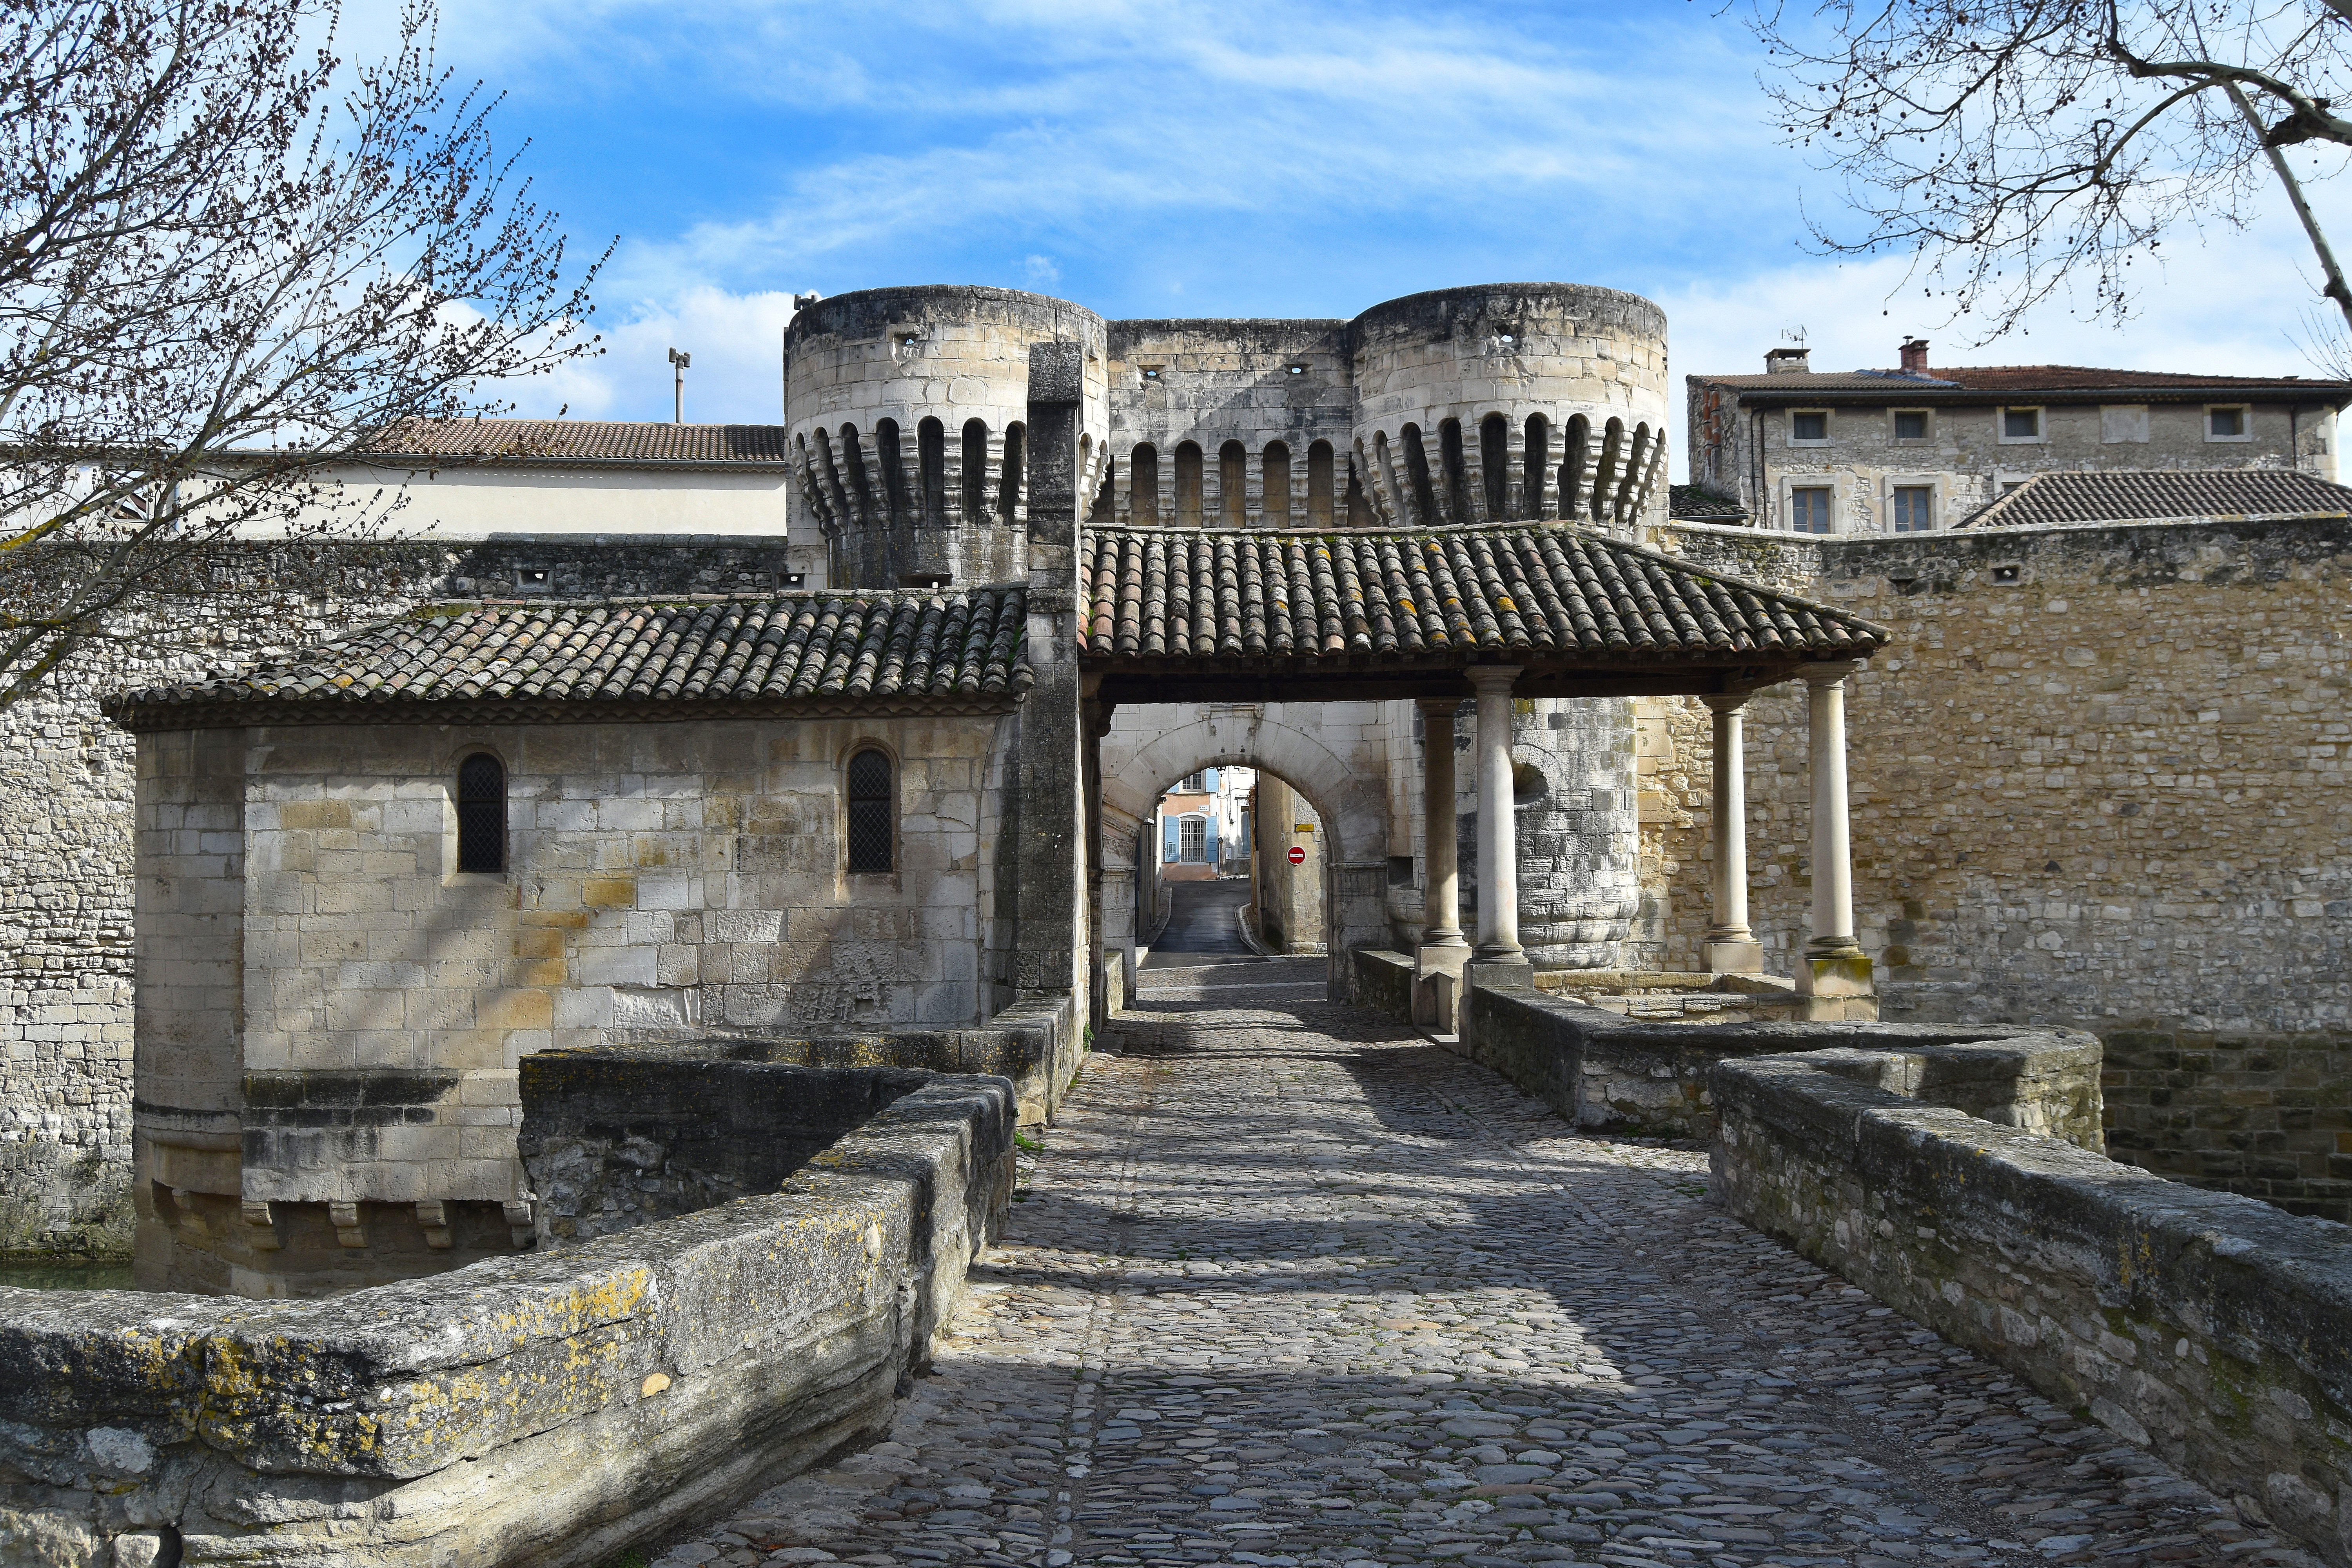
column 1288, row 1287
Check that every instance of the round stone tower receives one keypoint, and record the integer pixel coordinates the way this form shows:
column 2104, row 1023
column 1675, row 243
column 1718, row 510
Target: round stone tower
column 1506, row 401
column 905, row 410
column 1532, row 401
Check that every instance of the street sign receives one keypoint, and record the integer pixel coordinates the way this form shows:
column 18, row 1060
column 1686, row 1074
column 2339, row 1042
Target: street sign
column 1298, row 855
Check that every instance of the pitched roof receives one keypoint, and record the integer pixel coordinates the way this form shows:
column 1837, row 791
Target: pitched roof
column 816, row 653
column 1445, row 597
column 1696, row 503
column 604, row 442
column 1945, row 384
column 2057, row 500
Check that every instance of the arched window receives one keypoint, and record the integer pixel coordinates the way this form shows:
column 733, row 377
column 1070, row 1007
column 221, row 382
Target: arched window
column 1537, row 464
column 1416, row 468
column 975, row 471
column 1188, row 485
column 894, row 483
column 1494, row 466
column 1008, row 482
column 931, row 471
column 1319, row 488
column 1143, row 483
column 873, row 814
column 1276, row 485
column 481, row 813
column 1233, row 483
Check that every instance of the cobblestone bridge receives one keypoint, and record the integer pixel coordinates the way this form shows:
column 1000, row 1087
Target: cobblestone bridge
column 1287, row 1285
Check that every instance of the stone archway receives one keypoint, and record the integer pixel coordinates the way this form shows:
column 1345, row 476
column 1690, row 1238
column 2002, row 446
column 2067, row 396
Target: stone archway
column 1328, row 752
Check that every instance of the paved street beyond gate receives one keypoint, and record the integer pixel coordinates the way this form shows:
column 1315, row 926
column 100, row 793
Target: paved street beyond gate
column 1288, row 1286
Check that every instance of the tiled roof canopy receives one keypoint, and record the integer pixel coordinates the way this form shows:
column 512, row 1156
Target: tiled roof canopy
column 1297, row 614
column 609, row 442
column 793, row 654
column 1696, row 503
column 2067, row 382
column 2048, row 500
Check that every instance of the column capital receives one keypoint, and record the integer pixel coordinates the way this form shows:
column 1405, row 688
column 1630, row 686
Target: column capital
column 1726, row 701
column 1492, row 679
column 1828, row 673
column 1438, row 705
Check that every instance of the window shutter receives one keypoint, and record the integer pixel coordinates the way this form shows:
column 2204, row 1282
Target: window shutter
column 1167, row 847
column 1210, row 855
column 1209, row 780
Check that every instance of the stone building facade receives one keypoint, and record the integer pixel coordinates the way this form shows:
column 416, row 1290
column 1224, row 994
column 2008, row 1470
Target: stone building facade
column 1918, row 450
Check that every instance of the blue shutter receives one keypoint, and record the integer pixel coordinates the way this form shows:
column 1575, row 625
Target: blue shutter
column 1210, row 854
column 1168, row 844
column 1209, row 780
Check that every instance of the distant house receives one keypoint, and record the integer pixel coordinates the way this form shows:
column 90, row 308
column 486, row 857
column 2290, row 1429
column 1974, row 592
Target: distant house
column 1204, row 824
column 1913, row 450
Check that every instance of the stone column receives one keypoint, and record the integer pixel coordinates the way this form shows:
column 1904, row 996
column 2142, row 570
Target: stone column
column 1442, row 895
column 1731, row 946
column 1834, row 968
column 1442, row 951
column 1498, row 846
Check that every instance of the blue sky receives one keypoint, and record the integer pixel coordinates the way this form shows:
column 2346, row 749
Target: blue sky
column 1223, row 159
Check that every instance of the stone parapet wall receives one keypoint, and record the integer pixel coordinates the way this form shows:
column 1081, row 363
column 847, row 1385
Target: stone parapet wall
column 1604, row 1071
column 547, row 1410
column 2215, row 1329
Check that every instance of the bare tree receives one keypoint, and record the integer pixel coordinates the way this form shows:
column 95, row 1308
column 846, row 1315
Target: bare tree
column 228, row 261
column 2010, row 144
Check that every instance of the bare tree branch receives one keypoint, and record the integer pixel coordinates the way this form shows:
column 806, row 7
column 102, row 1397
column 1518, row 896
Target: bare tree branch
column 2015, row 148
column 229, row 261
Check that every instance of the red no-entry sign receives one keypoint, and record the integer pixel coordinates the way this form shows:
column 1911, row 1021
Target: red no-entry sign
column 1298, row 855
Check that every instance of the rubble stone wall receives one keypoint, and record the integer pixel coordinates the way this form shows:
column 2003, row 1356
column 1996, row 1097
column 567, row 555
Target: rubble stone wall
column 2098, row 780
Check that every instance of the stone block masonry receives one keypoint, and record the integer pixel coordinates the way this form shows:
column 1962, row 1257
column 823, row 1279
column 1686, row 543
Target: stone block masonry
column 545, row 1410
column 67, row 789
column 2098, row 780
column 2209, row 1328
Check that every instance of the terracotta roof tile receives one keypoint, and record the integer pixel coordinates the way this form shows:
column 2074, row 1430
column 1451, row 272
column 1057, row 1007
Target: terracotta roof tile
column 1696, row 503
column 821, row 652
column 2050, row 500
column 1445, row 596
column 606, row 441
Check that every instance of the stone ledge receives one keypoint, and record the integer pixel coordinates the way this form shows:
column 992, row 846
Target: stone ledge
column 1607, row 1072
column 547, row 1407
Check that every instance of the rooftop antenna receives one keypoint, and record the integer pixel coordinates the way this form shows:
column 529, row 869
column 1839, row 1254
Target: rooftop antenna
column 1794, row 335
column 678, row 411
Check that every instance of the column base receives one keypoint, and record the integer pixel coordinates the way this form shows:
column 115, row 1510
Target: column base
column 1837, row 971
column 1735, row 955
column 1437, row 984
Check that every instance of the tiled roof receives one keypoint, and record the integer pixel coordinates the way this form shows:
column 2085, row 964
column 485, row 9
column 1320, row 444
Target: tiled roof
column 1939, row 381
column 597, row 441
column 2054, row 499
column 861, row 652
column 1696, row 503
column 1443, row 596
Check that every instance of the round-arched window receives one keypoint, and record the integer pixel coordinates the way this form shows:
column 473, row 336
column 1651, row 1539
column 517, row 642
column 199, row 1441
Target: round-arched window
column 873, row 814
column 481, row 813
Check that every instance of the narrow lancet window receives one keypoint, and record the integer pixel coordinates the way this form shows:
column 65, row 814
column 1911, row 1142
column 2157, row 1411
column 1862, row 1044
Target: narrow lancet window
column 873, row 823
column 481, row 813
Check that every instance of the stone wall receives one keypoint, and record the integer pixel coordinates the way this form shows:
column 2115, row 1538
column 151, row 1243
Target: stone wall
column 2212, row 1329
column 1604, row 1071
column 2098, row 780
column 549, row 1410
column 68, row 780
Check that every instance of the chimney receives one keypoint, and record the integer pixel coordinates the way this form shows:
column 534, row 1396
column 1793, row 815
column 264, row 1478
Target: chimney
column 1786, row 361
column 1915, row 356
